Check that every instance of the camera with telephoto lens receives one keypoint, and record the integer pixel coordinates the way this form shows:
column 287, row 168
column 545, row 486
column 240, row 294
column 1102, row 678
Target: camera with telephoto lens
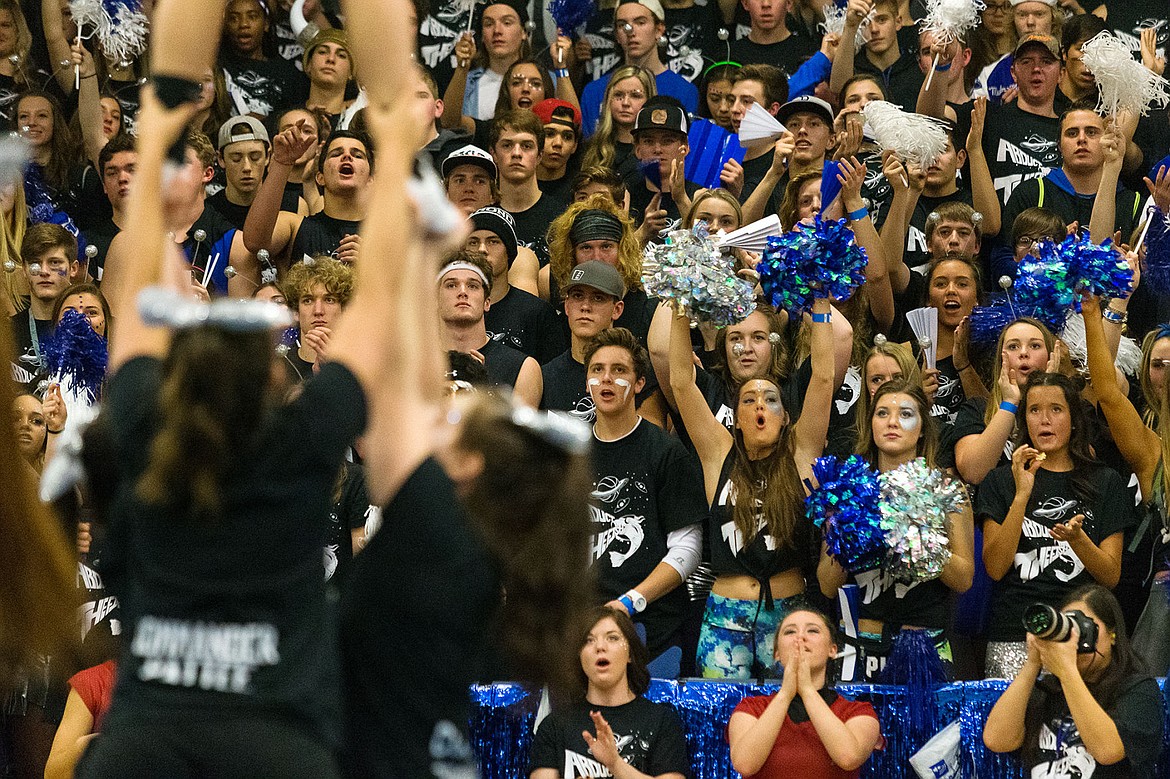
column 1047, row 623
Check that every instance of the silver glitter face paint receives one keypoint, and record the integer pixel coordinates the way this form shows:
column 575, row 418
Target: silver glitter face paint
column 772, row 402
column 908, row 416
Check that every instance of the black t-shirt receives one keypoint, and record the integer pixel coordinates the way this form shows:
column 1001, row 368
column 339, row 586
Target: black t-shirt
column 1018, row 146
column 641, row 195
column 1128, row 18
column 502, row 363
column 1043, row 569
column 788, row 54
column 1137, row 713
column 605, row 55
column 231, row 614
column 902, row 80
column 264, row 87
column 427, row 579
column 101, row 236
column 349, row 513
column 1070, row 207
column 558, row 189
column 320, row 234
column 690, row 36
column 916, row 255
column 532, row 224
column 646, row 486
column 26, row 367
column 754, row 171
column 523, row 321
column 232, row 212
column 565, row 389
column 649, row 737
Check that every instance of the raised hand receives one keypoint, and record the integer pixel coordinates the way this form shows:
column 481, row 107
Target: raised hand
column 289, row 145
column 603, row 746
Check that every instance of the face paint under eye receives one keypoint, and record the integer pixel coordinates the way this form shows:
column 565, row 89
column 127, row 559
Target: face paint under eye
column 624, row 385
column 773, row 404
column 908, row 417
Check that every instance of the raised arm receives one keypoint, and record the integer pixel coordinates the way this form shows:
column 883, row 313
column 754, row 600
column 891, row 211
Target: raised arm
column 1139, row 445
column 53, row 23
column 983, row 195
column 89, row 104
column 266, row 226
column 1104, row 215
column 877, row 278
column 812, row 428
column 847, row 48
column 753, row 208
column 710, row 437
column 453, row 117
column 893, row 234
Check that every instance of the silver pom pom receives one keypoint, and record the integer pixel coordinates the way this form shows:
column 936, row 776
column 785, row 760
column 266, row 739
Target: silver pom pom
column 924, row 343
column 230, row 272
column 1005, row 283
column 723, row 34
column 9, row 266
column 200, row 236
column 91, row 251
column 774, row 339
column 879, row 340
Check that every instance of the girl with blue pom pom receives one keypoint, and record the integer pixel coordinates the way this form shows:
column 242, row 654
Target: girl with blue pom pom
column 761, row 542
column 899, row 429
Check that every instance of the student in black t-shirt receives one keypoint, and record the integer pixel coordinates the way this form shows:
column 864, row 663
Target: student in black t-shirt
column 562, row 142
column 592, row 303
column 345, row 166
column 1073, row 713
column 516, row 142
column 259, row 81
column 116, row 163
column 770, row 41
column 898, row 429
column 49, row 264
column 647, row 500
column 761, row 544
column 765, row 86
column 464, row 289
column 614, row 731
column 316, row 293
column 243, row 155
column 1052, row 521
column 661, row 147
column 515, row 317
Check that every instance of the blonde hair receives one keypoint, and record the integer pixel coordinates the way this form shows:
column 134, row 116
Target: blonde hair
column 717, row 193
column 602, row 151
column 14, row 286
column 563, row 254
column 907, row 366
column 997, row 362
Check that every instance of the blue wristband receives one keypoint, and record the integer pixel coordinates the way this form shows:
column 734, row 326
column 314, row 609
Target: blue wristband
column 628, row 602
column 561, row 73
column 823, row 318
column 942, row 68
column 858, row 215
column 1011, row 408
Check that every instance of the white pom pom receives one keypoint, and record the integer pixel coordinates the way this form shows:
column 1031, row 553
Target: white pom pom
column 1125, row 84
column 949, row 20
column 914, row 137
column 834, row 24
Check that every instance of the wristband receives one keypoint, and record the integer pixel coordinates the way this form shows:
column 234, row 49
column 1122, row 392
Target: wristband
column 1116, row 317
column 824, row 318
column 1009, row 407
column 628, row 603
column 858, row 215
column 942, row 68
column 561, row 72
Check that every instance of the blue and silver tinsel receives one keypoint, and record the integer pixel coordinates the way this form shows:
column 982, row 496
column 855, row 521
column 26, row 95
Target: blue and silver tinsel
column 817, row 260
column 916, row 500
column 845, row 505
column 697, row 277
column 1156, row 272
column 77, row 355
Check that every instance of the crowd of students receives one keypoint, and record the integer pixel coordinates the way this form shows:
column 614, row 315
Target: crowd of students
column 472, row 412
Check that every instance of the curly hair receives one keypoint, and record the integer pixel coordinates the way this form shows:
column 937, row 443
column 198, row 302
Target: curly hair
column 563, row 254
column 337, row 278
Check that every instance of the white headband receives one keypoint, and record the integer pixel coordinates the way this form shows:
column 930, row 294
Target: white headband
column 460, row 265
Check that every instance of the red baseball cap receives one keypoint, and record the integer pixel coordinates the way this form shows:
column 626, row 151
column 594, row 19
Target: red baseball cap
column 552, row 111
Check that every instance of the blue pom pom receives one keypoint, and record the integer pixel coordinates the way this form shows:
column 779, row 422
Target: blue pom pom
column 571, row 14
column 1043, row 288
column 77, row 354
column 1156, row 275
column 845, row 506
column 1096, row 269
column 987, row 322
column 812, row 261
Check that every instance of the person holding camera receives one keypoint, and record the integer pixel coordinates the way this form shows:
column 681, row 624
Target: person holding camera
column 1052, row 521
column 1082, row 705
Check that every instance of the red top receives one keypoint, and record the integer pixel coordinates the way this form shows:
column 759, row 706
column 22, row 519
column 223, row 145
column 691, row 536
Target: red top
column 96, row 688
column 798, row 749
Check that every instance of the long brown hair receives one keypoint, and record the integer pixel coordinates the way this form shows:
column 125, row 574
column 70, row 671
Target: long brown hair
column 927, row 434
column 529, row 505
column 211, row 403
column 504, row 101
column 778, row 364
column 64, row 150
column 997, row 363
column 772, row 482
column 637, row 672
column 37, row 593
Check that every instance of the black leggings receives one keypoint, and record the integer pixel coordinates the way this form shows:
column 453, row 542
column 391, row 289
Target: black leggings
column 216, row 745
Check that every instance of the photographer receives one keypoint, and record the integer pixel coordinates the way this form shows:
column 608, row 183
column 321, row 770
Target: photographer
column 1095, row 712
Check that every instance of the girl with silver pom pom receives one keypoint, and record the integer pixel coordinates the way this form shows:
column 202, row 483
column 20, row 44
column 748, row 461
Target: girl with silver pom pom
column 924, row 509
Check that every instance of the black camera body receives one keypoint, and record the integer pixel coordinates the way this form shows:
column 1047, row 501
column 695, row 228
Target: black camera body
column 1043, row 621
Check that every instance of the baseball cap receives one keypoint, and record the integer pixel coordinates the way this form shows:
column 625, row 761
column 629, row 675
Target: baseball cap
column 1039, row 39
column 662, row 116
column 469, row 155
column 329, row 35
column 242, row 128
column 654, row 6
column 1051, row 3
column 498, row 221
column 553, row 111
column 599, row 275
column 806, row 104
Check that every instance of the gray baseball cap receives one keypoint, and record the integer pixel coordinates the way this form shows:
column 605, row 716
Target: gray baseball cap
column 600, row 276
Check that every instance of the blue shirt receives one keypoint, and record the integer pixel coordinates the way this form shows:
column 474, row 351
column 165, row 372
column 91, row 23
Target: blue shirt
column 666, row 83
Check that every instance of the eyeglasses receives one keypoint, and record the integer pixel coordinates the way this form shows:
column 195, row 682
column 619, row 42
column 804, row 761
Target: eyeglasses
column 1027, row 240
